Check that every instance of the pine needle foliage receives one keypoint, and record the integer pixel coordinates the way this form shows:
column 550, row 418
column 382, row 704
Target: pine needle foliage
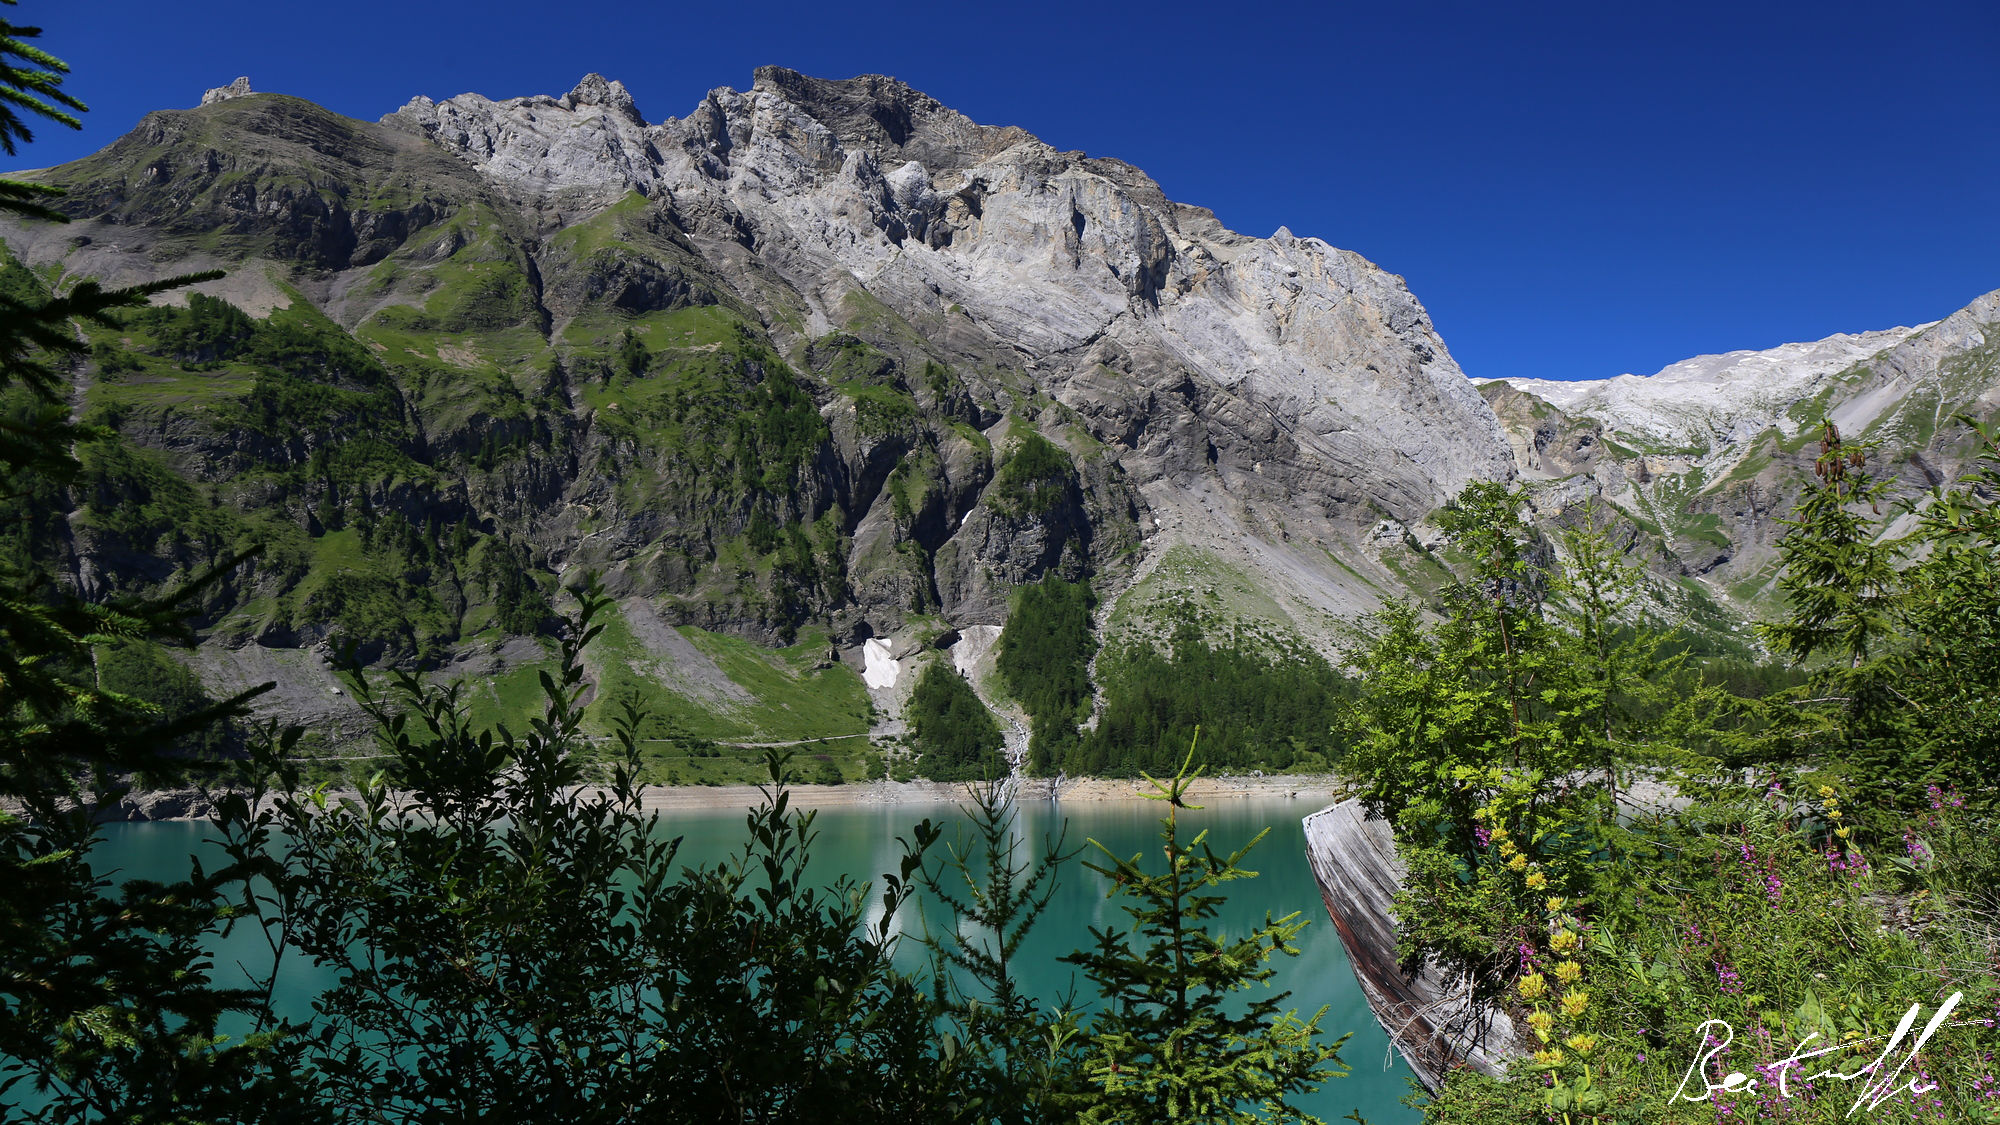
column 1176, row 1039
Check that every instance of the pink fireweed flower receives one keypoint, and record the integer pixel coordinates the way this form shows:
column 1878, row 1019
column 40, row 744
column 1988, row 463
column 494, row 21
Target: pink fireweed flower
column 1944, row 798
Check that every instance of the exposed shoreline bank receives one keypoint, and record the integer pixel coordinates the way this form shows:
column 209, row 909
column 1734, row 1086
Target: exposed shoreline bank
column 188, row 804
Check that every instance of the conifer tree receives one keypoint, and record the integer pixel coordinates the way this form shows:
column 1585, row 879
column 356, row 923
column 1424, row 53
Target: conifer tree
column 1842, row 583
column 107, row 1008
column 1174, row 1041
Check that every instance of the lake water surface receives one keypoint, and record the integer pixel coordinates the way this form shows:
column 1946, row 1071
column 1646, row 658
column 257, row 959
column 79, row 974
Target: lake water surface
column 861, row 842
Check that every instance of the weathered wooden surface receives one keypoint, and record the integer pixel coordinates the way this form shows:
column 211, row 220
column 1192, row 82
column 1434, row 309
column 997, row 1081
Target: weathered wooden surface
column 1427, row 1016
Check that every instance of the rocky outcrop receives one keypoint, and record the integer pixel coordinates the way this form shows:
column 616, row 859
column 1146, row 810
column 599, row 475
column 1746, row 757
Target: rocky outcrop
column 237, row 89
column 591, row 141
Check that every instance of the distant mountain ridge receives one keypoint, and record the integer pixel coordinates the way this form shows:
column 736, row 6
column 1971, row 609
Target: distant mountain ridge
column 1712, row 450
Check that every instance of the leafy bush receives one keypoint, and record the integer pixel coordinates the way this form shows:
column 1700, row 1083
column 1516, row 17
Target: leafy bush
column 1806, row 910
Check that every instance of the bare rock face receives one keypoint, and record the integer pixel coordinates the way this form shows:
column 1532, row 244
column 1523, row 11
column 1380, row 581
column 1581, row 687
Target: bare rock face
column 237, row 89
column 1297, row 373
column 1717, row 400
column 591, row 141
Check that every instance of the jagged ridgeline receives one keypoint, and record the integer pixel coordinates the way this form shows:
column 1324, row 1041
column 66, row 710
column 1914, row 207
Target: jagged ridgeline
column 821, row 363
column 816, row 377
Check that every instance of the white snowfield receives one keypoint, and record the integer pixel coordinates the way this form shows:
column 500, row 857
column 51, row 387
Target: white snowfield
column 878, row 668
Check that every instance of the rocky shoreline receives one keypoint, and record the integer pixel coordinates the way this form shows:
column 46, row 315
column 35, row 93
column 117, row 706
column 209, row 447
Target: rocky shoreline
column 189, row 804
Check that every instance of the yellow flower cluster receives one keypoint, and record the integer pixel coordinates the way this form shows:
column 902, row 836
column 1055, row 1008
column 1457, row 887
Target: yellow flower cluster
column 1568, row 971
column 1581, row 1044
column 1550, row 1058
column 1541, row 1021
column 1533, row 986
column 1555, row 905
column 1518, row 863
column 1537, row 880
column 1826, row 790
column 1562, row 941
column 1574, row 1003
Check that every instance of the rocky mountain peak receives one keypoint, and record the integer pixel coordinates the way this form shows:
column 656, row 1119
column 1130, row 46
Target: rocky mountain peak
column 1717, row 399
column 885, row 114
column 865, row 190
column 237, row 89
column 591, row 140
column 1236, row 395
column 594, row 90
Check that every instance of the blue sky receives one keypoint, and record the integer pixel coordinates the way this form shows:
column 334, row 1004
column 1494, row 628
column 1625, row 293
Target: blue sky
column 1573, row 190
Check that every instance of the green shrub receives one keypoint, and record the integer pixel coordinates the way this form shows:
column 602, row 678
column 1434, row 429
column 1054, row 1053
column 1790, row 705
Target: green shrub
column 1037, row 478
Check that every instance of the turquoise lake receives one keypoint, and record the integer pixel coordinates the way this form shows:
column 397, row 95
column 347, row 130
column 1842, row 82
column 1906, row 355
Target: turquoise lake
column 861, row 842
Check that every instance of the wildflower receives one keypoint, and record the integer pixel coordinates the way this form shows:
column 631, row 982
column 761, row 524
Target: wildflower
column 1550, row 1058
column 1529, row 958
column 1826, row 790
column 1574, row 1003
column 1581, row 1044
column 1555, row 905
column 1537, row 880
column 1518, row 862
column 1841, row 832
column 1533, row 986
column 1568, row 971
column 1507, row 848
column 1541, row 1021
column 1500, row 832
column 1562, row 941
column 1834, row 813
